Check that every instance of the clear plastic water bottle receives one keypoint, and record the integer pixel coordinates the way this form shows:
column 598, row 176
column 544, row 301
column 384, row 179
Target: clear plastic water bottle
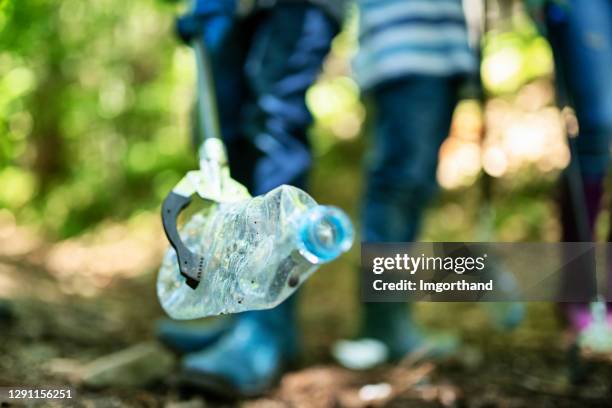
column 257, row 252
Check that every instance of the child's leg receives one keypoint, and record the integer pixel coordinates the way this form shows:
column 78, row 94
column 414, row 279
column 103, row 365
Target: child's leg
column 284, row 53
column 412, row 119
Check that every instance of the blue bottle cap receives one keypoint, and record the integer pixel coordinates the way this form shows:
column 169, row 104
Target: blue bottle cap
column 325, row 232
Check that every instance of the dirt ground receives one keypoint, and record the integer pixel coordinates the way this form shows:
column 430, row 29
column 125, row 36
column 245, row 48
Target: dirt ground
column 75, row 301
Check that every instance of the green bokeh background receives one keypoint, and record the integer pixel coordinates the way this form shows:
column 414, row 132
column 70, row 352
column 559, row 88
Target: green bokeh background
column 95, row 100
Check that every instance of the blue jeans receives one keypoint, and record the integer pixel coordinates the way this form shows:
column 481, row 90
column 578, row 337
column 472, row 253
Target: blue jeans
column 411, row 120
column 581, row 39
column 262, row 67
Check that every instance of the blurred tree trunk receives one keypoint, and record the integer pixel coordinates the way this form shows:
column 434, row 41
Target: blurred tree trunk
column 48, row 143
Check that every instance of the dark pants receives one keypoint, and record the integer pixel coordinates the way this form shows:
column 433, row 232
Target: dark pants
column 411, row 120
column 412, row 117
column 262, row 67
column 581, row 39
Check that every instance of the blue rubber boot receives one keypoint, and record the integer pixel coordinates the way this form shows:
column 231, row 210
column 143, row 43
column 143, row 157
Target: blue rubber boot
column 189, row 336
column 250, row 358
column 392, row 324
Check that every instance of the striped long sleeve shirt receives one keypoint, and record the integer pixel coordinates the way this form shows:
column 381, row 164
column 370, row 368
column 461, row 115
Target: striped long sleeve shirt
column 399, row 38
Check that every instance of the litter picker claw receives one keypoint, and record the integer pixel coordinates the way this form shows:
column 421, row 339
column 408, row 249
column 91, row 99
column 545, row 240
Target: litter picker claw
column 211, row 182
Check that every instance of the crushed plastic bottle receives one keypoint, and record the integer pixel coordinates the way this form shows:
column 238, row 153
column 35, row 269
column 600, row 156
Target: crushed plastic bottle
column 257, row 252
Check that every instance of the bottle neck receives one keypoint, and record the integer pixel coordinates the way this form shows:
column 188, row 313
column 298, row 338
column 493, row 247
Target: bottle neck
column 324, row 233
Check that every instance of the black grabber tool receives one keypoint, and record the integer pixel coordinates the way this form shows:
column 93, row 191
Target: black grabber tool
column 212, row 181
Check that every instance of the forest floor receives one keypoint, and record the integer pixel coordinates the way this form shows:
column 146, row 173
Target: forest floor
column 79, row 300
